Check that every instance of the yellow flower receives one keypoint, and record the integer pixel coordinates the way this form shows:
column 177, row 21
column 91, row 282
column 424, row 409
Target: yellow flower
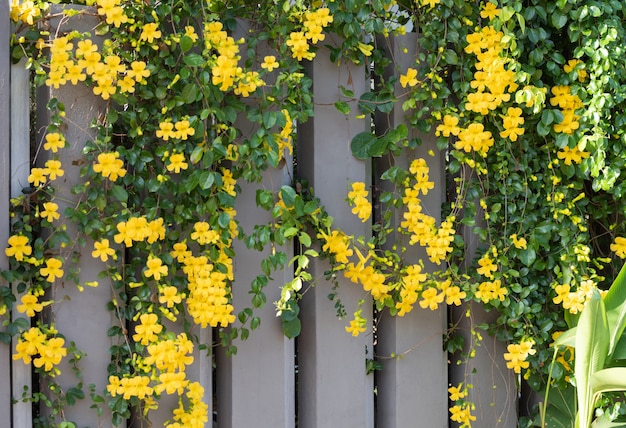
column 169, row 296
column 489, row 11
column 52, row 269
column 519, row 243
column 299, row 46
column 138, row 71
column 110, row 166
column 410, row 78
column 183, row 129
column 574, row 155
column 456, row 392
column 619, row 247
column 337, row 243
column 38, row 176
column 155, row 268
column 177, row 163
column 203, row 234
column 150, row 32
column 269, row 63
column 487, row 267
column 431, row 299
column 54, row 169
column 50, row 353
column 30, row 305
column 148, row 329
column 102, row 250
column 54, row 142
column 50, row 211
column 18, row 247
column 448, row 127
column 191, row 33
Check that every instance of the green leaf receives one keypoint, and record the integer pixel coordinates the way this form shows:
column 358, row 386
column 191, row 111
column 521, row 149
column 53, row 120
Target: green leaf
column 291, row 328
column 362, row 144
column 342, row 107
column 194, row 60
column 119, row 193
column 206, row 180
column 186, row 43
column 611, row 379
column 592, row 346
column 615, row 303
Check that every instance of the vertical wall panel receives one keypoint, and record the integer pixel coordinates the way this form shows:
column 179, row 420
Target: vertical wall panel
column 256, row 386
column 422, row 372
column 333, row 387
column 5, row 169
column 20, row 169
column 81, row 316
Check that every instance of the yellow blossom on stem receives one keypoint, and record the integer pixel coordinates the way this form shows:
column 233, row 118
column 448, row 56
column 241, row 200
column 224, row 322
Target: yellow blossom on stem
column 50, row 353
column 431, row 299
column 487, row 267
column 148, row 329
column 54, row 142
column 30, row 305
column 18, row 247
column 38, row 176
column 155, row 268
column 269, row 63
column 489, row 11
column 110, row 166
column 450, row 126
column 409, row 79
column 52, row 269
column 517, row 353
column 519, row 243
column 337, row 243
column 150, row 32
column 102, row 250
column 177, row 163
column 50, row 211
column 574, row 155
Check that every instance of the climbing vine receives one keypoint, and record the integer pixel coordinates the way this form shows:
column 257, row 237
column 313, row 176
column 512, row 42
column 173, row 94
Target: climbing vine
column 525, row 99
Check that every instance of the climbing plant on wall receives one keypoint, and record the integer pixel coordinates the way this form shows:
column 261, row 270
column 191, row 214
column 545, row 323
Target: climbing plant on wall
column 525, row 98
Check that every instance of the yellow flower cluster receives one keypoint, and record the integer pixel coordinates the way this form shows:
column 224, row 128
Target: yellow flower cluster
column 568, row 103
column 475, row 138
column 337, row 244
column 419, row 225
column 358, row 199
column 109, row 73
column 517, row 353
column 573, row 301
column 460, row 412
column 48, row 352
column 138, row 229
column 285, row 137
column 208, row 298
column 313, row 24
column 492, row 81
column 357, row 325
column 131, row 386
column 181, row 130
column 113, row 12
column 462, row 415
column 195, row 415
column 491, row 290
column 26, row 11
column 512, row 122
column 225, row 70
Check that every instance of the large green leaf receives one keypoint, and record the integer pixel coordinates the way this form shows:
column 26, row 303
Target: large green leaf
column 615, row 303
column 592, row 346
column 611, row 379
